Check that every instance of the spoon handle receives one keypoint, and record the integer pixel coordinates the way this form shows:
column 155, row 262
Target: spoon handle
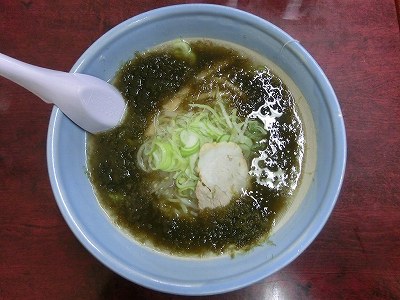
column 35, row 79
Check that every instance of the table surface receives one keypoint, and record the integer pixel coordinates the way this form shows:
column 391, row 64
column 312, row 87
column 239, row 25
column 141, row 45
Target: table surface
column 357, row 254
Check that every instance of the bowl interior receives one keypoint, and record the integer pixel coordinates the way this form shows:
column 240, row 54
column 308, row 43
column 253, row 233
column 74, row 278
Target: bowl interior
column 79, row 206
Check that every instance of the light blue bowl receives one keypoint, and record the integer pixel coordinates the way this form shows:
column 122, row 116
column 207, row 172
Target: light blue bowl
column 74, row 194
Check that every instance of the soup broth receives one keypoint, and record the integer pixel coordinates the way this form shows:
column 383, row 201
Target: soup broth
column 212, row 82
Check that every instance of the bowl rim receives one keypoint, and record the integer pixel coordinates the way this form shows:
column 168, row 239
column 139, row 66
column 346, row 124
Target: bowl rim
column 338, row 128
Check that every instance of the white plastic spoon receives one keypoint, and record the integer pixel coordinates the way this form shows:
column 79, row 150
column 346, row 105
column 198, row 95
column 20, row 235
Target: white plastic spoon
column 90, row 102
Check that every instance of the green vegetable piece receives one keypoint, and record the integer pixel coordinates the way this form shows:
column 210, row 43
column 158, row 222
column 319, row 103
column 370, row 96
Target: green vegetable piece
column 190, row 141
column 163, row 156
column 182, row 50
column 224, row 138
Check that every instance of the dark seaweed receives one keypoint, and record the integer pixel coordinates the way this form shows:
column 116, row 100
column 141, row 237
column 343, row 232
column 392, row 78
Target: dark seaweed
column 122, row 187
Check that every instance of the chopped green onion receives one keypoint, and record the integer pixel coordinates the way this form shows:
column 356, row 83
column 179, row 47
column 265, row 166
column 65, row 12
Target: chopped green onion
column 174, row 147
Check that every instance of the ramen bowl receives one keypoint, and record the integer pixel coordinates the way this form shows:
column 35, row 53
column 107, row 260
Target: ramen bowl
column 326, row 148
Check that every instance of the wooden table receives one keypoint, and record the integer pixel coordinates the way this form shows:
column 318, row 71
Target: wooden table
column 357, row 254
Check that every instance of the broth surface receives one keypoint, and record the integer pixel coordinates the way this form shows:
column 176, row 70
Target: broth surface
column 148, row 82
